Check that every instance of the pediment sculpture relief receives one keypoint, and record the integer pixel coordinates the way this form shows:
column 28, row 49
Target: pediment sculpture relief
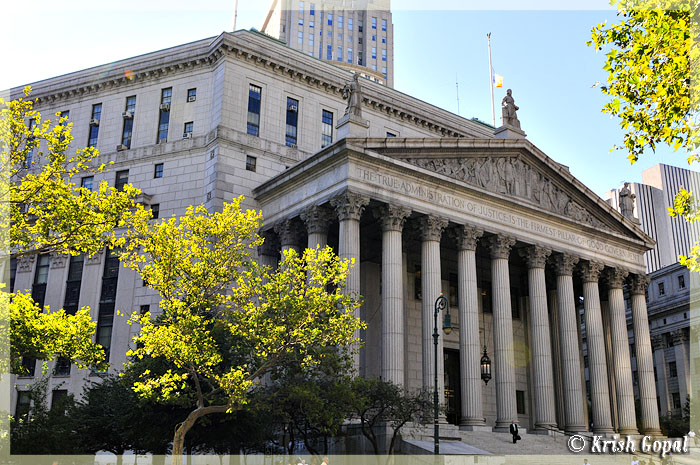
column 510, row 176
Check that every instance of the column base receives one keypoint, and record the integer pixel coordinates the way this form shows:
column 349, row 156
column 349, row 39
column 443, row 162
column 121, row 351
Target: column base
column 475, row 428
column 629, row 432
column 576, row 429
column 607, row 431
column 548, row 430
column 653, row 432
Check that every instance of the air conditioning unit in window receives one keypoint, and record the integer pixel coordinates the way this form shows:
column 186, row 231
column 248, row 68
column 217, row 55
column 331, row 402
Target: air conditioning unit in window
column 187, row 135
column 292, row 107
column 164, row 107
column 128, row 114
column 121, row 147
column 191, row 98
column 94, row 122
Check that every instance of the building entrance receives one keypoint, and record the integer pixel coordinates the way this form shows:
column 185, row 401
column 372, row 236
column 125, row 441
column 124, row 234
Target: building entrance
column 452, row 386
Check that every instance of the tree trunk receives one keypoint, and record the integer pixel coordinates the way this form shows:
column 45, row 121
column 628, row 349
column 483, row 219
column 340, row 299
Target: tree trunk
column 182, row 429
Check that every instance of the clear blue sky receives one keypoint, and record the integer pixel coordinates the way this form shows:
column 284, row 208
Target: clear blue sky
column 542, row 55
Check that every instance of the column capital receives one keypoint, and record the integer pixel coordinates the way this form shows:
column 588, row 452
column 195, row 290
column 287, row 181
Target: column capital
column 657, row 342
column 564, row 263
column 638, row 283
column 615, row 277
column 535, row 255
column 590, row 271
column 431, row 227
column 680, row 336
column 466, row 236
column 392, row 217
column 500, row 245
column 271, row 245
column 289, row 232
column 349, row 205
column 316, row 218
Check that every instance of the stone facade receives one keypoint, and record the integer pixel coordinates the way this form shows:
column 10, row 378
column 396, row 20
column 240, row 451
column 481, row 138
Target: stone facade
column 499, row 240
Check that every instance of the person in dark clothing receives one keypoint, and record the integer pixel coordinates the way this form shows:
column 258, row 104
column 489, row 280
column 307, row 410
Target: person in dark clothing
column 514, row 431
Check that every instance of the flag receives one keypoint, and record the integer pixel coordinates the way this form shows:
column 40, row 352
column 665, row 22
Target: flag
column 498, row 80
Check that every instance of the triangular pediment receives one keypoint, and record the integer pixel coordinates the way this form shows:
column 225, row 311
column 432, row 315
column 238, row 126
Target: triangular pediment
column 513, row 169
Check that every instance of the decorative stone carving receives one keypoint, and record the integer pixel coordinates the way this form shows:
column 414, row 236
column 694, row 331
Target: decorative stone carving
column 638, row 283
column 25, row 263
column 615, row 277
column 508, row 110
column 535, row 255
column 431, row 227
column 500, row 246
column 680, row 336
column 58, row 260
column 349, row 205
column 289, row 232
column 271, row 246
column 96, row 258
column 392, row 217
column 466, row 236
column 510, row 175
column 657, row 342
column 627, row 201
column 353, row 94
column 564, row 264
column 590, row 271
column 317, row 219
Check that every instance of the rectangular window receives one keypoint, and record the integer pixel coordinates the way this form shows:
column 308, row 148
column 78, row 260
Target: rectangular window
column 374, row 52
column 349, row 24
column 672, row 370
column 73, row 284
column 374, row 38
column 158, row 170
column 383, row 24
column 41, row 277
column 251, row 163
column 360, row 61
column 681, row 282
column 144, row 309
column 340, row 21
column 30, row 144
column 301, row 21
column 191, row 95
column 330, row 19
column 108, row 294
column 340, row 36
column 121, row 180
column 350, row 55
column 24, row 400
column 254, row 98
column 676, row 400
column 359, row 40
column 383, row 40
column 384, row 54
column 58, row 399
column 384, row 70
column 155, row 211
column 311, row 40
column 359, row 25
column 62, row 367
column 662, row 289
column 520, row 402
column 301, row 8
column 374, row 23
column 311, row 24
column 164, row 118
column 94, row 125
column 28, row 366
column 340, row 53
column 326, row 128
column 330, row 33
column 128, row 121
column 300, row 38
column 87, row 182
column 329, row 52
column 292, row 119
column 312, row 9
column 350, row 39
column 188, row 130
column 374, row 67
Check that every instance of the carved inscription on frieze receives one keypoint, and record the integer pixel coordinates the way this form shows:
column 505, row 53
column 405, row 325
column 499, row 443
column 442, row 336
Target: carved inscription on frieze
column 513, row 177
column 420, row 191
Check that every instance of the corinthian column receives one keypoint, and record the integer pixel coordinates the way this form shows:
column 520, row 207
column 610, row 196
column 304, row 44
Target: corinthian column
column 569, row 347
column 621, row 353
column 504, row 360
column 431, row 228
column 645, row 365
column 349, row 207
column 545, row 413
column 269, row 251
column 316, row 218
column 469, row 345
column 289, row 233
column 597, row 368
column 392, row 219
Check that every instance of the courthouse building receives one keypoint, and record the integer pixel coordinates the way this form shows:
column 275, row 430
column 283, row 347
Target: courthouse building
column 425, row 201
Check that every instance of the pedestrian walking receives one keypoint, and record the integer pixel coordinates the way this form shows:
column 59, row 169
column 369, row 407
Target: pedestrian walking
column 514, row 431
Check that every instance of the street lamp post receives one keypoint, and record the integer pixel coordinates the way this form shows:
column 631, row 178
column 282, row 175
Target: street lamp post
column 440, row 304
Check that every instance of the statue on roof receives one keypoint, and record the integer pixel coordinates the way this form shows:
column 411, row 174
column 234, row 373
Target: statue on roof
column 508, row 107
column 353, row 94
column 627, row 201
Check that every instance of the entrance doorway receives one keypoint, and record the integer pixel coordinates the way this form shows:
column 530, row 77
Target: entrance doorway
column 452, row 386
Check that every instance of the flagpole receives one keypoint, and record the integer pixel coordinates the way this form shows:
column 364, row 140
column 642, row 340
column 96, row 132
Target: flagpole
column 493, row 107
column 457, row 85
column 235, row 13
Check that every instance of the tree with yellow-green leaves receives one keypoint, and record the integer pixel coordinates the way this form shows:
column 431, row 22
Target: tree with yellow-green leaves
column 44, row 211
column 653, row 65
column 226, row 320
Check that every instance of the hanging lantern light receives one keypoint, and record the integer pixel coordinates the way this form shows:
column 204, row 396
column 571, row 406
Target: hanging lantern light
column 485, row 367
